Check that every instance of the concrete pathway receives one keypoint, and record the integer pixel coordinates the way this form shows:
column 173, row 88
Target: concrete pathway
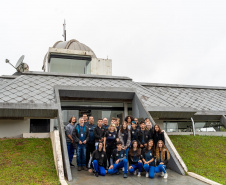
column 86, row 178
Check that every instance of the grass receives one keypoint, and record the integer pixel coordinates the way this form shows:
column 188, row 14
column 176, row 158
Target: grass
column 204, row 155
column 27, row 161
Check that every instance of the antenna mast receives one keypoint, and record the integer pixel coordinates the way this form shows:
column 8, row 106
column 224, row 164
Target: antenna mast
column 64, row 30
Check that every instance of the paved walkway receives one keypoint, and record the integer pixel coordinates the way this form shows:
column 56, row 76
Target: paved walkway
column 86, row 178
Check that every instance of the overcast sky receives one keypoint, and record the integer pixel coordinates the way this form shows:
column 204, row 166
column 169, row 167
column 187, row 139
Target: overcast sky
column 162, row 41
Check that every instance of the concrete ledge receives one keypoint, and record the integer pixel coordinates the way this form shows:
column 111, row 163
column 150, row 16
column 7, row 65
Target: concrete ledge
column 201, row 178
column 55, row 138
column 178, row 157
column 35, row 135
column 198, row 133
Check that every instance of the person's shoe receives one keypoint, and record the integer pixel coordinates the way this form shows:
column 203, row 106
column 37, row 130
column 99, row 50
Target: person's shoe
column 84, row 168
column 125, row 175
column 79, row 168
column 135, row 172
column 71, row 165
column 138, row 175
column 96, row 174
column 147, row 175
column 162, row 174
column 165, row 176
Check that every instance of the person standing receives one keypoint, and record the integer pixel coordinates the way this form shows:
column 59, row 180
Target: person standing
column 99, row 132
column 134, row 132
column 99, row 161
column 148, row 159
column 117, row 124
column 162, row 157
column 129, row 119
column 118, row 160
column 105, row 123
column 143, row 135
column 124, row 136
column 91, row 143
column 135, row 159
column 80, row 137
column 157, row 135
column 110, row 139
column 85, row 117
column 68, row 132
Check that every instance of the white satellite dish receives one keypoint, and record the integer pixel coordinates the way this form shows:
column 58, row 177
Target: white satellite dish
column 20, row 66
column 19, row 62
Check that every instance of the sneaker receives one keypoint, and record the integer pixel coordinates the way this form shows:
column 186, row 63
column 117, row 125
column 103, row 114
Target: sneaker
column 138, row 174
column 147, row 175
column 84, row 168
column 96, row 174
column 165, row 176
column 71, row 165
column 125, row 175
column 135, row 172
column 162, row 174
column 79, row 168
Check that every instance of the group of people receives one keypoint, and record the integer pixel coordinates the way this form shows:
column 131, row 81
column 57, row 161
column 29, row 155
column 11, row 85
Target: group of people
column 130, row 146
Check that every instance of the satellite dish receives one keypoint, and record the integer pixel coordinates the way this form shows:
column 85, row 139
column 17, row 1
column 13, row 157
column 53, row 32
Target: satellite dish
column 20, row 61
column 20, row 66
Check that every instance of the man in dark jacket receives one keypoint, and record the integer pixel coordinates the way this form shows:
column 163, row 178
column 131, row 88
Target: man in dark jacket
column 80, row 137
column 99, row 132
column 91, row 143
column 143, row 135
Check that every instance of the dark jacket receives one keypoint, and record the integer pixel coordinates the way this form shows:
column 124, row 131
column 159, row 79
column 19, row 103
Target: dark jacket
column 156, row 137
column 75, row 136
column 101, row 158
column 117, row 155
column 165, row 161
column 91, row 133
column 147, row 155
column 134, row 134
column 98, row 133
column 134, row 158
column 146, row 136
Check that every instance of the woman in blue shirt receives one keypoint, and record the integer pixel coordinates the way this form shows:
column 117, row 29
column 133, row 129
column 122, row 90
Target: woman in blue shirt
column 148, row 159
column 135, row 158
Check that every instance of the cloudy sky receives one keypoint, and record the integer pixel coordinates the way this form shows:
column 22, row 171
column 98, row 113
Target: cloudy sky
column 162, row 41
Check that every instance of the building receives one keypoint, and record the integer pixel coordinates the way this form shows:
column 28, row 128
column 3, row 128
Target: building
column 75, row 81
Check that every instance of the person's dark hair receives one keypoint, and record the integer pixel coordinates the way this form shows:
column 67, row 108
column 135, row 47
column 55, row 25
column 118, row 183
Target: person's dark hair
column 141, row 122
column 158, row 131
column 102, row 146
column 131, row 117
column 100, row 119
column 119, row 143
column 90, row 117
column 131, row 152
column 71, row 119
column 121, row 128
column 152, row 148
column 113, row 118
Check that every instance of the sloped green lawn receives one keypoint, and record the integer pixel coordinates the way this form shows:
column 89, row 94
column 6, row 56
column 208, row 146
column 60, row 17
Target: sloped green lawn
column 27, row 161
column 204, row 155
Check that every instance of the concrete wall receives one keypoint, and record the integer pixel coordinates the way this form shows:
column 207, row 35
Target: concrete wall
column 101, row 66
column 160, row 123
column 14, row 128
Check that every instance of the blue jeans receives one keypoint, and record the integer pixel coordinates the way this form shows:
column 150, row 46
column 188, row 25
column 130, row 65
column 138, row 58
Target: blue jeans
column 138, row 166
column 81, row 155
column 160, row 168
column 70, row 150
column 98, row 169
column 127, row 151
column 116, row 167
column 150, row 170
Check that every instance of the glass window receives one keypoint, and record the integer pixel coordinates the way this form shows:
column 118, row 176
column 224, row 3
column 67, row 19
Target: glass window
column 70, row 65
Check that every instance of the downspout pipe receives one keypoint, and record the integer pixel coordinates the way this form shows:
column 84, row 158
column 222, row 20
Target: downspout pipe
column 193, row 126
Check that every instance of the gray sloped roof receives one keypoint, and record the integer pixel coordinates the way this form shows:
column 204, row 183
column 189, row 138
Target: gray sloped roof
column 195, row 97
column 38, row 88
column 4, row 80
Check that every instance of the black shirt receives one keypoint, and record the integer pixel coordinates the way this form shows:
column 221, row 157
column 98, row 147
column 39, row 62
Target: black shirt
column 98, row 133
column 144, row 136
column 117, row 155
column 101, row 158
column 111, row 138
